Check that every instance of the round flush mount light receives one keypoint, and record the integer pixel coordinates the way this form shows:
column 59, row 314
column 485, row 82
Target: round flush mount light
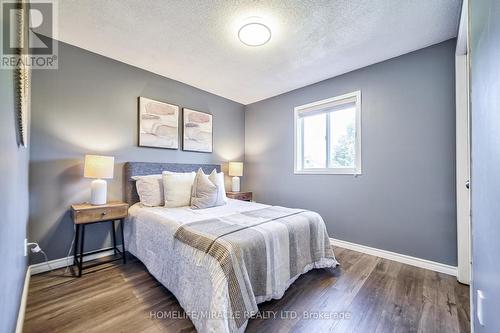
column 254, row 34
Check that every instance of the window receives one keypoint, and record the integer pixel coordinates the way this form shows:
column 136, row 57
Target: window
column 328, row 136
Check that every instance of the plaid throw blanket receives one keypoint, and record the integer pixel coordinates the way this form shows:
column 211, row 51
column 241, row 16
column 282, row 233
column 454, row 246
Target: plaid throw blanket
column 258, row 250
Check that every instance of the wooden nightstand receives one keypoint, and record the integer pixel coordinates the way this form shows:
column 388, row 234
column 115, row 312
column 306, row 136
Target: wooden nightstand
column 84, row 214
column 244, row 196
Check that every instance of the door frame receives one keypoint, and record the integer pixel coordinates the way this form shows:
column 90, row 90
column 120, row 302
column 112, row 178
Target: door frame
column 463, row 159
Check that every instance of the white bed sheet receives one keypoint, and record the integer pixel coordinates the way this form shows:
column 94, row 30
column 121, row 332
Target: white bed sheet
column 149, row 236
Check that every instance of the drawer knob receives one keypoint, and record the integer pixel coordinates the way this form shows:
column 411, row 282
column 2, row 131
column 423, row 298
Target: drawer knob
column 103, row 213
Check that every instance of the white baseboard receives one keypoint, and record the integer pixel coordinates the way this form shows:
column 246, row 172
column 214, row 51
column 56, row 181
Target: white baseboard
column 402, row 258
column 63, row 262
column 24, row 299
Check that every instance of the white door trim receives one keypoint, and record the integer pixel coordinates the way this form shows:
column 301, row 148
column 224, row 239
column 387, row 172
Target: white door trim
column 463, row 150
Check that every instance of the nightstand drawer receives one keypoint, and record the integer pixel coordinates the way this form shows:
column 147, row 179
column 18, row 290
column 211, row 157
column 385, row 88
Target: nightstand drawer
column 99, row 214
column 244, row 196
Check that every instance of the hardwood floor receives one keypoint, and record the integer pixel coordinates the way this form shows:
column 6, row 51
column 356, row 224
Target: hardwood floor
column 365, row 294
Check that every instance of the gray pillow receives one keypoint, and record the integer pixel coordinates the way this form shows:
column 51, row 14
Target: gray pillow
column 204, row 193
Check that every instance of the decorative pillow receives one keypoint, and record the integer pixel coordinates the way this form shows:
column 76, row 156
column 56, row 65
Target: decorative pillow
column 218, row 180
column 177, row 188
column 204, row 193
column 150, row 190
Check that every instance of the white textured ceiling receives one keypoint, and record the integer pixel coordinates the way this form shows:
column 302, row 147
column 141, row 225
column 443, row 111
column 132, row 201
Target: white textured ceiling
column 196, row 42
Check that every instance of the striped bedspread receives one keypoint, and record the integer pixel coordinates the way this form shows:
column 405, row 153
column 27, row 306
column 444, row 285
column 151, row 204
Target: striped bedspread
column 258, row 252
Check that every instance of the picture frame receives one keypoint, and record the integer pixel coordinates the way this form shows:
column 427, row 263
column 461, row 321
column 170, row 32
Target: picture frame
column 158, row 124
column 197, row 131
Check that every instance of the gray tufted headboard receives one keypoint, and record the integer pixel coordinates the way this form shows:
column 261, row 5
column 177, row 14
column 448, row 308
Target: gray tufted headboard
column 149, row 168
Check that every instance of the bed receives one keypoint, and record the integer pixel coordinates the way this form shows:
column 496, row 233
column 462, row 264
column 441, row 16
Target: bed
column 221, row 262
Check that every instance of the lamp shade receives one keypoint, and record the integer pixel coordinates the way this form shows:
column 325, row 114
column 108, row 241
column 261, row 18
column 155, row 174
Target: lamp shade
column 98, row 166
column 235, row 169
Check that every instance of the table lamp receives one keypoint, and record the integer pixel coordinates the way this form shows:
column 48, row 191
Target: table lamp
column 99, row 168
column 236, row 171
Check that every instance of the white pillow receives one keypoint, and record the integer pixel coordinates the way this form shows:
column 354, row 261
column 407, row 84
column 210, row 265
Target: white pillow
column 218, row 180
column 177, row 188
column 205, row 193
column 150, row 190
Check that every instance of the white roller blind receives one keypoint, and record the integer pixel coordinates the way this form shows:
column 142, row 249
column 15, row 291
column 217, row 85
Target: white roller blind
column 327, row 107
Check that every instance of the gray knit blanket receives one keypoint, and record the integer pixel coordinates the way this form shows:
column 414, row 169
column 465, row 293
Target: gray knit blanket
column 246, row 246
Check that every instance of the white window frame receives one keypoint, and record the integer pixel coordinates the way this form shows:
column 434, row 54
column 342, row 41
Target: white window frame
column 298, row 142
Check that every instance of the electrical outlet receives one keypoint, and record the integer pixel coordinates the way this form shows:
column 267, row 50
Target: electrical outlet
column 480, row 307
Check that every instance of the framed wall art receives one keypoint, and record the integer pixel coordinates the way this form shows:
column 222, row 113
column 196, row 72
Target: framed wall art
column 197, row 131
column 158, row 124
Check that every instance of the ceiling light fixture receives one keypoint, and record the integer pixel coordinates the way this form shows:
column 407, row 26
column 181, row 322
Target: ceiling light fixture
column 254, row 34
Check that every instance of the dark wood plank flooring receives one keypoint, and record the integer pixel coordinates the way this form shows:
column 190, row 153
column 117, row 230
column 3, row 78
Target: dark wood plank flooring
column 364, row 294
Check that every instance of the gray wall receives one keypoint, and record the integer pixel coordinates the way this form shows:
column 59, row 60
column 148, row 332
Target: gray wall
column 405, row 199
column 13, row 206
column 485, row 179
column 89, row 105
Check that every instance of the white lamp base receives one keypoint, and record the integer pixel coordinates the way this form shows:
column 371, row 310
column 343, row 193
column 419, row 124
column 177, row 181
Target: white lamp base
column 236, row 184
column 99, row 189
